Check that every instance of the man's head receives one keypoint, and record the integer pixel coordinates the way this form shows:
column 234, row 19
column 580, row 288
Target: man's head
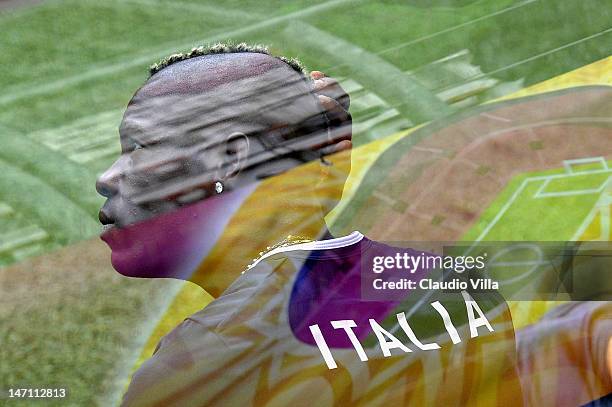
column 218, row 118
column 232, row 115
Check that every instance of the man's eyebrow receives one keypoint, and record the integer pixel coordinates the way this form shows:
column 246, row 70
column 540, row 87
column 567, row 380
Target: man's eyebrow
column 135, row 133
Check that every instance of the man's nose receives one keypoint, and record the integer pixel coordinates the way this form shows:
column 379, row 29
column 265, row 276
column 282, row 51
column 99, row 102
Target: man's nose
column 107, row 184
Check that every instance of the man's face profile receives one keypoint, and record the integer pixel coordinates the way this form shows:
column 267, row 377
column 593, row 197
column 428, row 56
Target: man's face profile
column 229, row 120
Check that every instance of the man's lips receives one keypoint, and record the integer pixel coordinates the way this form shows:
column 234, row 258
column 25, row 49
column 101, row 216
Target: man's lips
column 121, row 238
column 106, row 228
column 108, row 225
column 106, row 231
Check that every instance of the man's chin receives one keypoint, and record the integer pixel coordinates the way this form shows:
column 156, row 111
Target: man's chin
column 128, row 257
column 168, row 245
column 172, row 244
column 149, row 250
column 136, row 264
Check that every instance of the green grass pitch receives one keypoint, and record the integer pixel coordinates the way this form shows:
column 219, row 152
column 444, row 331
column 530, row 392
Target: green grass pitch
column 554, row 202
column 69, row 67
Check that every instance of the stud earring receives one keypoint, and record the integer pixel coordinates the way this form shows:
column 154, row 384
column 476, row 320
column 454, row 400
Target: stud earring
column 218, row 187
column 325, row 162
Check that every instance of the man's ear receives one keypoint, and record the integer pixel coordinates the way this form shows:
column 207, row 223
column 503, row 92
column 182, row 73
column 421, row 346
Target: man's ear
column 235, row 153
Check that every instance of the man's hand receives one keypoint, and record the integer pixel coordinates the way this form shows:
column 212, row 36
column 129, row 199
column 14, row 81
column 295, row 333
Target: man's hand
column 336, row 103
column 325, row 86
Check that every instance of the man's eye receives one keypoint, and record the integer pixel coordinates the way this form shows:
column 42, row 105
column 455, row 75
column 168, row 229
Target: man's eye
column 136, row 151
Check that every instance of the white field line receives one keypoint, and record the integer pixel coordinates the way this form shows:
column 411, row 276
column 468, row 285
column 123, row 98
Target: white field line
column 85, row 121
column 150, row 55
column 38, row 89
column 144, row 58
column 604, row 212
column 567, row 164
column 432, row 150
column 605, row 223
column 563, row 176
column 85, row 139
column 545, row 53
column 526, row 60
column 513, row 198
column 455, row 27
column 98, row 153
column 429, row 36
column 540, row 194
column 602, row 207
column 495, row 117
column 585, row 224
column 77, row 136
column 500, row 214
column 190, row 7
column 20, row 237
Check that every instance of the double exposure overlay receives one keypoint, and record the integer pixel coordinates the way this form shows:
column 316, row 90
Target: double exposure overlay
column 296, row 203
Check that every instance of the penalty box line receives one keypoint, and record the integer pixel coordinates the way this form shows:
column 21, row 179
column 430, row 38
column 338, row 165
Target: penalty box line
column 571, row 172
column 519, row 191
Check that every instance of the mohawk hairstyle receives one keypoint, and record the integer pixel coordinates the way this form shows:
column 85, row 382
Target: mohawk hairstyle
column 224, row 48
